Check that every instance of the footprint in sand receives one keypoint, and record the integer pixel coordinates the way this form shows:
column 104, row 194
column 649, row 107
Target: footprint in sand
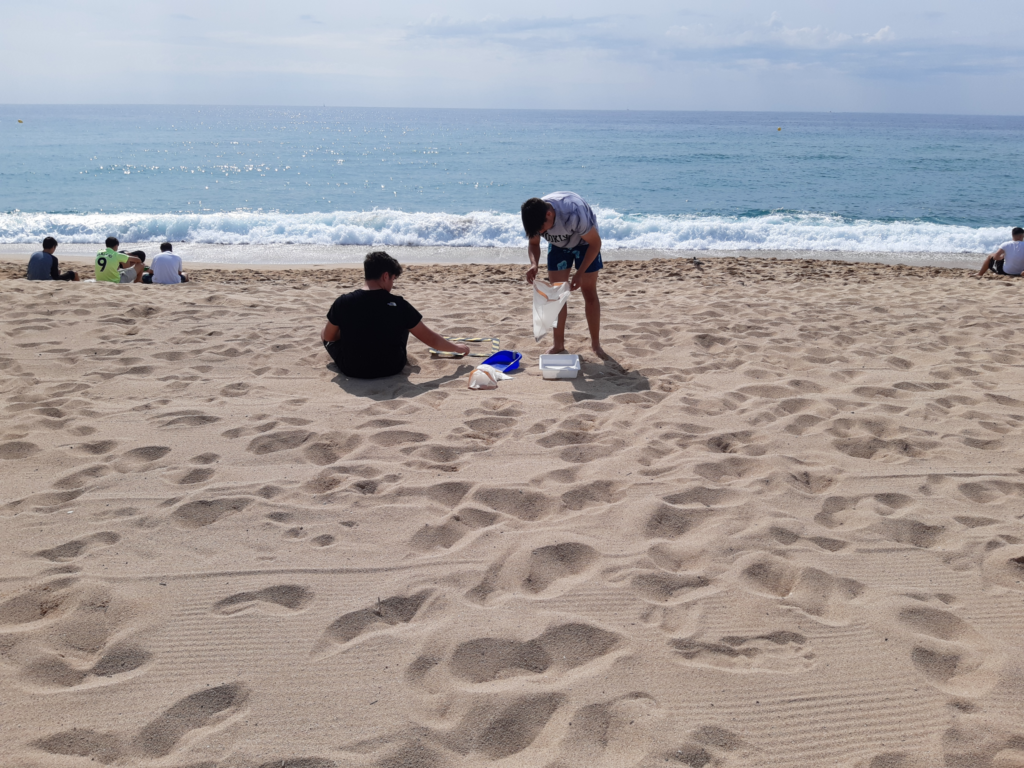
column 56, row 672
column 483, row 660
column 187, row 418
column 80, row 478
column 77, row 547
column 291, row 597
column 666, row 521
column 203, row 709
column 947, row 650
column 612, row 732
column 666, row 587
column 712, row 745
column 81, row 640
column 282, row 440
column 595, row 493
column 541, row 571
column 992, row 491
column 105, row 748
column 494, row 729
column 779, row 651
column 977, row 741
column 97, row 448
column 138, row 457
column 195, row 476
column 453, row 529
column 16, row 450
column 44, row 602
column 1005, row 566
column 907, row 530
column 197, row 514
column 817, row 593
column 517, row 502
column 331, row 446
column 386, row 613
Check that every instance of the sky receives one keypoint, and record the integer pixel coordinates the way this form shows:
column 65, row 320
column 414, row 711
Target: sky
column 871, row 56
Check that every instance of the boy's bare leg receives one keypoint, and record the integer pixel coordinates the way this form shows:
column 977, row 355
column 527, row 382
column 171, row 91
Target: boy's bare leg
column 558, row 334
column 592, row 307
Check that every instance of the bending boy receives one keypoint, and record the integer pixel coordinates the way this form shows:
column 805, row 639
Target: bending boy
column 569, row 225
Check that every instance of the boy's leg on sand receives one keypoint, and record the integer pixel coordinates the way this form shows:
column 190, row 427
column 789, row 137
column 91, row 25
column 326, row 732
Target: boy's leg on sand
column 558, row 334
column 592, row 307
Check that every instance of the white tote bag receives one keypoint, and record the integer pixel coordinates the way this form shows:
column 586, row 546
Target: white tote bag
column 548, row 301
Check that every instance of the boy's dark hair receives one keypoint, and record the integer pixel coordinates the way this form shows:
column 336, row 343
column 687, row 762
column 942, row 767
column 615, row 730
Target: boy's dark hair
column 534, row 211
column 164, row 247
column 1017, row 231
column 140, row 254
column 49, row 242
column 377, row 263
column 112, row 242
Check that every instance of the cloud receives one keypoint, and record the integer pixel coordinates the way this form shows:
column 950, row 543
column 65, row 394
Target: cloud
column 563, row 32
column 881, row 36
column 773, row 34
column 310, row 19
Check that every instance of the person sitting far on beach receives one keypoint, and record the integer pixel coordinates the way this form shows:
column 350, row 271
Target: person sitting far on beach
column 43, row 265
column 1009, row 259
column 569, row 225
column 166, row 267
column 367, row 329
column 109, row 269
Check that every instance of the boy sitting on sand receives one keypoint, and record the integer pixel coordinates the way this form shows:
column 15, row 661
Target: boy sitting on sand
column 367, row 329
column 109, row 269
column 166, row 269
column 43, row 265
column 1009, row 259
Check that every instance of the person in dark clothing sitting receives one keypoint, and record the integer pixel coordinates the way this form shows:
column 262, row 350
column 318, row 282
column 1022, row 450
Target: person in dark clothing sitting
column 367, row 329
column 43, row 265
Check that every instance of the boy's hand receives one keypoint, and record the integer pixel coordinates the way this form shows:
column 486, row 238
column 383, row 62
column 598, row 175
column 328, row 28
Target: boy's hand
column 531, row 274
column 462, row 349
column 575, row 282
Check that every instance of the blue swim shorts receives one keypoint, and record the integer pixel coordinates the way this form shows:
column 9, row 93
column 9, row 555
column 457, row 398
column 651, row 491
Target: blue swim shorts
column 562, row 258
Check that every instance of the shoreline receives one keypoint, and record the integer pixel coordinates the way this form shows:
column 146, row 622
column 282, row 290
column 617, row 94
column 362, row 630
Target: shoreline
column 648, row 271
column 291, row 256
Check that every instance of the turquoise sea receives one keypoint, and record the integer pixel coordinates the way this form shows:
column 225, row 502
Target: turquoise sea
column 670, row 181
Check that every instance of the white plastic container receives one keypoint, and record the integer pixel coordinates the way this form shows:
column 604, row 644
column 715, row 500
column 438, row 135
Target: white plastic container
column 559, row 366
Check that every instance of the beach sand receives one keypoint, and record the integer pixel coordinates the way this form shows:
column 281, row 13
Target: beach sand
column 782, row 528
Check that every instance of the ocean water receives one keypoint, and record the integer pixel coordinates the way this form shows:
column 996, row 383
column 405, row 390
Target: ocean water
column 905, row 185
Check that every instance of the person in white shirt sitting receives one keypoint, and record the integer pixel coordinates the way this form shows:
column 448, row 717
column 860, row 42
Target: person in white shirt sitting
column 166, row 267
column 1009, row 259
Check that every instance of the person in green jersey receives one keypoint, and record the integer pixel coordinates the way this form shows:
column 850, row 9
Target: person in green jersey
column 114, row 267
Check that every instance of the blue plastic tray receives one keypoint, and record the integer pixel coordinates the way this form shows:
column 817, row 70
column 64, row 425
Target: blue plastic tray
column 505, row 360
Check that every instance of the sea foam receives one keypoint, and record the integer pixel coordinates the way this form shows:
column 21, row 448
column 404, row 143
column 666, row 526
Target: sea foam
column 482, row 229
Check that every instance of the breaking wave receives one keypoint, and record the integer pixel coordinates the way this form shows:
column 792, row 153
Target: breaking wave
column 482, row 229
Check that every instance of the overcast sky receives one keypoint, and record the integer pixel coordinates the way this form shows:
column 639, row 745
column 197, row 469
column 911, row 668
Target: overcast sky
column 873, row 55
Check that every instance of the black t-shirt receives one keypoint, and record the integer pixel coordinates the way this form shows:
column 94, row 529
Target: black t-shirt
column 374, row 327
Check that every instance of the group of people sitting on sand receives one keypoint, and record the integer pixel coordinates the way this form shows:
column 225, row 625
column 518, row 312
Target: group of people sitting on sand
column 111, row 265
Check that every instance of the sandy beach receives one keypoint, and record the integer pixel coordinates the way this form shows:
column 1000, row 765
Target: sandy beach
column 782, row 527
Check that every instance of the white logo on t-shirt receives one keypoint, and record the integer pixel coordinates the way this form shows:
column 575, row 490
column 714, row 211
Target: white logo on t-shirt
column 392, row 304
